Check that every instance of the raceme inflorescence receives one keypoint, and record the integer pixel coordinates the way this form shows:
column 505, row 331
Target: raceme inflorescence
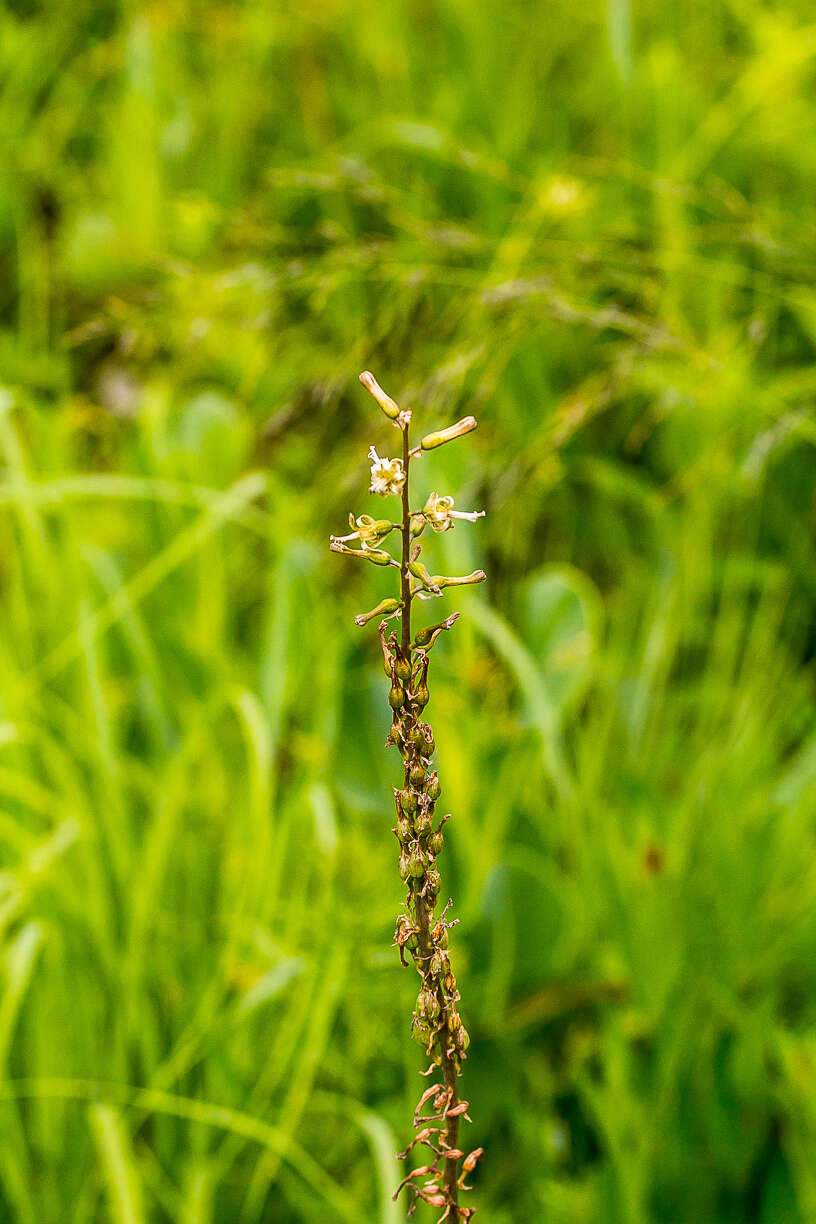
column 421, row 931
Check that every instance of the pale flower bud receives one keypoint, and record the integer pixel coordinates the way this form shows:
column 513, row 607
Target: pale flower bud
column 441, row 436
column 371, row 385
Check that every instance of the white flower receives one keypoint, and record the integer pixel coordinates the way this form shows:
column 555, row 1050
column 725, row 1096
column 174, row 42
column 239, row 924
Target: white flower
column 439, row 512
column 367, row 530
column 387, row 475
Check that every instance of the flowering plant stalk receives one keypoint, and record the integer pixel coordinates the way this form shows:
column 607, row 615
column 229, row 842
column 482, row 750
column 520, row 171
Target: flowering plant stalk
column 420, row 931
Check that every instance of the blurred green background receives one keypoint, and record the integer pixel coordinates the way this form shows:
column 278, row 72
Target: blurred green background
column 594, row 226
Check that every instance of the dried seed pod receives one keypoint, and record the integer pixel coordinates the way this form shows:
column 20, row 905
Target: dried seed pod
column 427, row 1004
column 440, row 935
column 433, row 882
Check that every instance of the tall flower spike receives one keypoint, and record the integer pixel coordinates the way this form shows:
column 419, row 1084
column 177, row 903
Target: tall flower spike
column 436, row 1022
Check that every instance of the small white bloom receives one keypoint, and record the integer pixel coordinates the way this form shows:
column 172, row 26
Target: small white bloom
column 439, row 512
column 367, row 530
column 387, row 475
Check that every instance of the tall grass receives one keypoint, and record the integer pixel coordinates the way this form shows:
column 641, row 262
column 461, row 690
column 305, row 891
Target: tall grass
column 594, row 226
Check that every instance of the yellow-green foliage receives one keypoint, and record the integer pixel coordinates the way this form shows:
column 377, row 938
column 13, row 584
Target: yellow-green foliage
column 593, row 226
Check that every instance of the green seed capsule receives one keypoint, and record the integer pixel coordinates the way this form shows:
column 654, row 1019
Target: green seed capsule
column 433, row 787
column 449, row 983
column 408, row 801
column 463, row 1039
column 402, row 669
column 422, row 1033
column 416, row 865
column 422, row 824
column 396, row 697
column 453, row 1021
column 436, row 844
column 421, row 696
column 435, row 964
column 404, row 868
column 417, row 774
column 403, row 829
column 412, row 943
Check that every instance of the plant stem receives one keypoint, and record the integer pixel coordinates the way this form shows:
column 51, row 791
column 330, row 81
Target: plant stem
column 405, row 578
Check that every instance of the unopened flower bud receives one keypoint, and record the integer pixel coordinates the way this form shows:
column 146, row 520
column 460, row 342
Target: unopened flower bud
column 371, row 385
column 386, row 607
column 441, row 436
